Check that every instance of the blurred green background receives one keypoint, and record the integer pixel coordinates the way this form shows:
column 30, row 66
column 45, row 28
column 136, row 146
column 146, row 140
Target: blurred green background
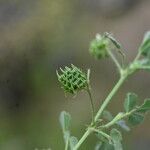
column 39, row 36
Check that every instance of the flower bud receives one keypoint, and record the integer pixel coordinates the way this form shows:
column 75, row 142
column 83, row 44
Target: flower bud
column 98, row 46
column 72, row 79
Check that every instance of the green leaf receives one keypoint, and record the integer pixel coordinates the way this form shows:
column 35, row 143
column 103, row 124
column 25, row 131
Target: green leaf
column 130, row 102
column 65, row 121
column 117, row 138
column 73, row 141
column 98, row 146
column 116, row 135
column 107, row 115
column 145, row 46
column 104, row 146
column 135, row 119
column 145, row 106
column 123, row 125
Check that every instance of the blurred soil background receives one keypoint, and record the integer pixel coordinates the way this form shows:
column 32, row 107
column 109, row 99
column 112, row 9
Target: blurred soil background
column 39, row 36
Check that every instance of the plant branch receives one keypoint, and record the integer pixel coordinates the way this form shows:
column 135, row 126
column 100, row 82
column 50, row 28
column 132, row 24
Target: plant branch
column 137, row 56
column 99, row 113
column 124, row 74
column 116, row 119
column 86, row 134
column 102, row 133
column 114, row 59
column 67, row 143
column 109, row 97
column 92, row 103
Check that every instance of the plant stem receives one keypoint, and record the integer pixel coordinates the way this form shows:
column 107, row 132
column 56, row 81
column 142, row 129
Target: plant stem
column 67, row 143
column 102, row 133
column 86, row 134
column 114, row 59
column 99, row 113
column 137, row 56
column 109, row 97
column 115, row 120
column 92, row 103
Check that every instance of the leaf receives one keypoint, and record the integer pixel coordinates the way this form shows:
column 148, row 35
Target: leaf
column 130, row 102
column 123, row 125
column 117, row 138
column 145, row 106
column 65, row 121
column 73, row 141
column 98, row 146
column 145, row 46
column 104, row 146
column 135, row 119
column 107, row 115
column 116, row 135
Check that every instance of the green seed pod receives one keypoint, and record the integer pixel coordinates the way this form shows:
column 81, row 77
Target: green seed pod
column 72, row 79
column 98, row 46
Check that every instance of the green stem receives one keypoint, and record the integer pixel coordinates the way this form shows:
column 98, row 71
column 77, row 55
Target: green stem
column 102, row 133
column 114, row 59
column 92, row 103
column 116, row 119
column 137, row 56
column 86, row 134
column 124, row 74
column 99, row 113
column 67, row 143
column 109, row 97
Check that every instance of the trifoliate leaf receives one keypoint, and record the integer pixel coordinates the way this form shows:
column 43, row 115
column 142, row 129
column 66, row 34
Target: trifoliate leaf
column 135, row 119
column 73, row 141
column 145, row 46
column 117, row 138
column 130, row 102
column 145, row 106
column 65, row 121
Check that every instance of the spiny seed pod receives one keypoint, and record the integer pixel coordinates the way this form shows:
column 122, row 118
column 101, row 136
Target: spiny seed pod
column 72, row 79
column 98, row 46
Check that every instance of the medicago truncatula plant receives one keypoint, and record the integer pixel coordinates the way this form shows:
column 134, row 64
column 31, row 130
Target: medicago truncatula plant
column 103, row 124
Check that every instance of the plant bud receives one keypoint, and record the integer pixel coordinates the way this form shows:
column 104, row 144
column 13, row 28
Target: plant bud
column 72, row 79
column 98, row 46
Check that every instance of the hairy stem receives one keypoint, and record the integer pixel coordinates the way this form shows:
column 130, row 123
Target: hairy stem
column 92, row 103
column 86, row 134
column 109, row 97
column 114, row 59
column 137, row 56
column 99, row 113
column 124, row 75
column 102, row 133
column 67, row 143
column 115, row 120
